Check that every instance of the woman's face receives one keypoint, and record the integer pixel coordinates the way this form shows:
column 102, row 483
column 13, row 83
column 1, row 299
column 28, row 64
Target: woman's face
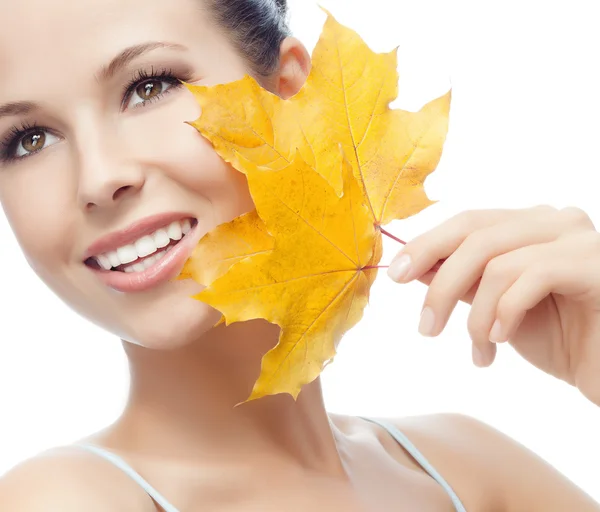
column 97, row 164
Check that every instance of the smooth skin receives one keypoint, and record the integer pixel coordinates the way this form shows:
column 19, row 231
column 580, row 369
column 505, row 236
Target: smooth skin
column 110, row 159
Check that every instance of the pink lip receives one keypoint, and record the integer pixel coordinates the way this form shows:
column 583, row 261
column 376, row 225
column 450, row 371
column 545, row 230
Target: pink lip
column 132, row 233
column 165, row 269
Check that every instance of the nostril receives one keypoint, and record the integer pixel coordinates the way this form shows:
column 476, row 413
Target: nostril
column 121, row 191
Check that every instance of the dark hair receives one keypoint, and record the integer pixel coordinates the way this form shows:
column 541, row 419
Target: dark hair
column 256, row 28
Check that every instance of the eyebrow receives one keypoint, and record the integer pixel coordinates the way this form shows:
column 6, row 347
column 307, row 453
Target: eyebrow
column 18, row 108
column 106, row 73
column 133, row 52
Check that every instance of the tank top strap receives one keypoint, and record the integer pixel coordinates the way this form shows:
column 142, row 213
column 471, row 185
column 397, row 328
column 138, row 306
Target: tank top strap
column 126, row 468
column 419, row 458
column 391, row 429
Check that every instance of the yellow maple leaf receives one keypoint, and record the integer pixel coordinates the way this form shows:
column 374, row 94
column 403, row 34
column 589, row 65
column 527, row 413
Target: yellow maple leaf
column 311, row 268
column 315, row 281
column 224, row 246
column 229, row 243
column 345, row 100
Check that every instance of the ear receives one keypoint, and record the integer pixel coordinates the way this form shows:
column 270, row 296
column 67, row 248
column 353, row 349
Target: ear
column 294, row 67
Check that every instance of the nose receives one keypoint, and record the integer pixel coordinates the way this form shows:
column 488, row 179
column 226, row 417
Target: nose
column 107, row 175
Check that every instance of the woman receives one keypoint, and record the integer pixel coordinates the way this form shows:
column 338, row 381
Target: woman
column 102, row 151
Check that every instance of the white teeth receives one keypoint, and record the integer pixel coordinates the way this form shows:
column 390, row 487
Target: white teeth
column 148, row 262
column 161, row 239
column 127, row 254
column 145, row 246
column 174, row 231
column 113, row 257
column 104, row 262
column 138, row 267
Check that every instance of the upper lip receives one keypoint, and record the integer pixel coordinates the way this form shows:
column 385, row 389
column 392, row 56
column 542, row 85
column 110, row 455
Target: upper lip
column 133, row 232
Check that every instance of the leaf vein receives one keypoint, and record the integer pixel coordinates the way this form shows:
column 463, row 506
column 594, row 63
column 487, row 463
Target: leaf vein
column 346, row 110
column 303, row 334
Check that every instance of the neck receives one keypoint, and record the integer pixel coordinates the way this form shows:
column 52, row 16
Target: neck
column 182, row 404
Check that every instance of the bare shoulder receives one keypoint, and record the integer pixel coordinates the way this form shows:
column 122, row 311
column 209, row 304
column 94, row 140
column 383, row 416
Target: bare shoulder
column 489, row 469
column 70, row 480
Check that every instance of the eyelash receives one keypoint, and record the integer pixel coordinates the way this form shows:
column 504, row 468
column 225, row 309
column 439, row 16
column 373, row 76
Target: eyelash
column 141, row 75
column 9, row 145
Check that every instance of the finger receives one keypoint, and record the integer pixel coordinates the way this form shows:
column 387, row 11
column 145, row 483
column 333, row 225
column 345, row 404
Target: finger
column 567, row 273
column 499, row 275
column 468, row 263
column 467, row 298
column 421, row 254
column 483, row 359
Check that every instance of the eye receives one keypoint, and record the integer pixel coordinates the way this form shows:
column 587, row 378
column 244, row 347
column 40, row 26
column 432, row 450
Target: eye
column 148, row 90
column 150, row 85
column 33, row 141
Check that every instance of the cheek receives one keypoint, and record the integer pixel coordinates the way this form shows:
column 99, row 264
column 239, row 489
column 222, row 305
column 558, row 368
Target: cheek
column 188, row 159
column 225, row 188
column 37, row 202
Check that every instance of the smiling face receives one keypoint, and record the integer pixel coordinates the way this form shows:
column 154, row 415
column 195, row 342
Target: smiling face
column 97, row 165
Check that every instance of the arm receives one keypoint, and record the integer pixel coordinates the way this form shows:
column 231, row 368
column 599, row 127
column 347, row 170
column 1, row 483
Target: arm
column 70, row 482
column 491, row 471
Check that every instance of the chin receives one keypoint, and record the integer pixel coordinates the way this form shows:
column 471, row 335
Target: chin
column 171, row 324
column 162, row 319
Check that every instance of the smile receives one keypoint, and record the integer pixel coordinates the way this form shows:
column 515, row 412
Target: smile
column 145, row 251
column 144, row 255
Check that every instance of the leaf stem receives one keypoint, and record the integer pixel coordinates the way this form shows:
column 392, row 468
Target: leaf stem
column 389, row 235
column 435, row 268
column 373, row 267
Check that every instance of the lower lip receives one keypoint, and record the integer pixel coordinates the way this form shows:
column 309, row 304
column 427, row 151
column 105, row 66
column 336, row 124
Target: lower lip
column 165, row 269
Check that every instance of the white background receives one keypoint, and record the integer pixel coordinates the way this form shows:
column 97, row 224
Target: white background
column 524, row 131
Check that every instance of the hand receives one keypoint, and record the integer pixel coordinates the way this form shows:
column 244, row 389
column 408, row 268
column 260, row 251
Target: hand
column 532, row 277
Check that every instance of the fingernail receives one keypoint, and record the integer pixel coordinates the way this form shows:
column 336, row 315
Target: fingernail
column 400, row 267
column 496, row 333
column 427, row 323
column 478, row 358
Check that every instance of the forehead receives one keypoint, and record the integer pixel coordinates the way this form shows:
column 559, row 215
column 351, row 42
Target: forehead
column 41, row 39
column 67, row 26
